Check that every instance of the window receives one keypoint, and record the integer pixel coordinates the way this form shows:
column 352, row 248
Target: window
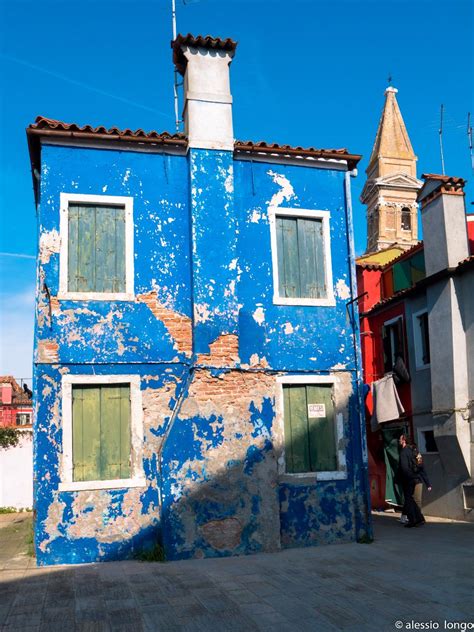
column 23, row 419
column 311, row 427
column 102, row 432
column 301, row 256
column 393, row 342
column 426, row 441
column 422, row 339
column 406, row 218
column 96, row 247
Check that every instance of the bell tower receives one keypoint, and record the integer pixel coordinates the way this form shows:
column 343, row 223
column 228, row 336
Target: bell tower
column 392, row 186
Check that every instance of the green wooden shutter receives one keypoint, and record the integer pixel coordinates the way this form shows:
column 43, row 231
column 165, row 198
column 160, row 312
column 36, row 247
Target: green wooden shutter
column 297, row 434
column 311, row 258
column 322, row 436
column 301, row 272
column 96, row 249
column 86, row 433
column 287, row 251
column 310, row 442
column 101, row 432
column 73, row 248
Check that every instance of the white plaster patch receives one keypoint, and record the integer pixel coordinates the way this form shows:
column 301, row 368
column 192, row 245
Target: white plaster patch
column 104, row 188
column 263, row 430
column 233, row 264
column 256, row 216
column 229, row 181
column 176, row 490
column 50, row 243
column 126, row 176
column 288, row 328
column 259, row 315
column 201, row 312
column 338, row 367
column 231, row 290
column 255, row 360
column 286, row 192
column 342, row 290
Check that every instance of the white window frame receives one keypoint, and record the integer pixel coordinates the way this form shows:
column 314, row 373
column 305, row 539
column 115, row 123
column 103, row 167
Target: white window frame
column 341, row 472
column 137, row 478
column 273, row 212
column 23, row 412
column 421, row 439
column 99, row 200
column 417, row 341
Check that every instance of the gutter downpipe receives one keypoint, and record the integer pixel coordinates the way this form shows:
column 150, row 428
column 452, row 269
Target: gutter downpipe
column 364, row 475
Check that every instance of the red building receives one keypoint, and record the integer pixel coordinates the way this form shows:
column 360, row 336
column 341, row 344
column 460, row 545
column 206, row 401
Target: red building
column 383, row 334
column 390, row 282
column 15, row 403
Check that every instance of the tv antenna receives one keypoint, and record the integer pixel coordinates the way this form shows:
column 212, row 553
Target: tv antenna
column 469, row 139
column 441, row 138
column 175, row 82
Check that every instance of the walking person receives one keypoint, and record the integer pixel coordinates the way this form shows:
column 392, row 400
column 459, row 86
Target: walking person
column 408, row 476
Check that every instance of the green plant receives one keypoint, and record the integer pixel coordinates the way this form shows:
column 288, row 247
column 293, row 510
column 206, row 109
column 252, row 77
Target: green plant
column 7, row 510
column 365, row 539
column 30, row 539
column 8, row 437
column 156, row 554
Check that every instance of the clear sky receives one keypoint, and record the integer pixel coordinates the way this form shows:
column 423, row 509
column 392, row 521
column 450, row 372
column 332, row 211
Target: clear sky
column 308, row 73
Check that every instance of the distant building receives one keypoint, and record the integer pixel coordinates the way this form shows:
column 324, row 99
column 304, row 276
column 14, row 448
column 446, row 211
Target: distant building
column 419, row 303
column 392, row 186
column 16, row 463
column 15, row 403
column 197, row 365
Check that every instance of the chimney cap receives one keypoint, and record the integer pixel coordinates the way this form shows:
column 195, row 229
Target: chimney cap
column 199, row 41
column 437, row 184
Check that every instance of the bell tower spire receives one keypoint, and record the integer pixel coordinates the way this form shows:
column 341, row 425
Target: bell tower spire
column 392, row 186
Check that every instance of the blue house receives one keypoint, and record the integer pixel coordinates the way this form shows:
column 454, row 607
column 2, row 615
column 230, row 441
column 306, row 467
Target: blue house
column 197, row 365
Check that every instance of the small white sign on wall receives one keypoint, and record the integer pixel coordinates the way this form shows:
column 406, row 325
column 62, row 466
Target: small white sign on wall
column 316, row 410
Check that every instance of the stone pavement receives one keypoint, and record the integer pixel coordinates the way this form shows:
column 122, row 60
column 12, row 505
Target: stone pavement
column 418, row 575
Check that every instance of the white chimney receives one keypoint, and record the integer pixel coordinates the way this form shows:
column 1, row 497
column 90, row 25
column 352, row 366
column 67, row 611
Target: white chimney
column 443, row 217
column 204, row 63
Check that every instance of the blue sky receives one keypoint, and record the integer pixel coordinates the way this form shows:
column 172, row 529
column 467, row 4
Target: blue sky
column 309, row 73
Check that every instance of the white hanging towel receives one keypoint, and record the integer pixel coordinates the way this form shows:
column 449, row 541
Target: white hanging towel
column 387, row 404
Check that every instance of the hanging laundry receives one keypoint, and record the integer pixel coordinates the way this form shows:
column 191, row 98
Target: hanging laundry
column 386, row 402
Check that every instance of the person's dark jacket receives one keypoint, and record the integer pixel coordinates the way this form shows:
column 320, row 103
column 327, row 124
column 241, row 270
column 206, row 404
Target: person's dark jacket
column 407, row 466
column 422, row 475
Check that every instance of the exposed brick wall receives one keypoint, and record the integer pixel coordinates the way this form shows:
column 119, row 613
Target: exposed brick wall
column 48, row 351
column 178, row 325
column 223, row 352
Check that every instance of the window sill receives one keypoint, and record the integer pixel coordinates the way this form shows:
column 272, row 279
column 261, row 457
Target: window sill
column 315, row 302
column 96, row 296
column 310, row 478
column 93, row 485
column 422, row 367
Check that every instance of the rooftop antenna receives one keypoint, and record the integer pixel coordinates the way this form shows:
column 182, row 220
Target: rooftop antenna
column 441, row 138
column 469, row 138
column 175, row 83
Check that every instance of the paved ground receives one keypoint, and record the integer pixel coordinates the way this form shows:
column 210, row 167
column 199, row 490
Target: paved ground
column 409, row 575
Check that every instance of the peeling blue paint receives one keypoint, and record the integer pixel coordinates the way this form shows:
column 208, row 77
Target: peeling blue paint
column 207, row 343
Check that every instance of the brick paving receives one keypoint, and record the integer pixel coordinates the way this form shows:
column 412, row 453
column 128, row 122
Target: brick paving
column 419, row 575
